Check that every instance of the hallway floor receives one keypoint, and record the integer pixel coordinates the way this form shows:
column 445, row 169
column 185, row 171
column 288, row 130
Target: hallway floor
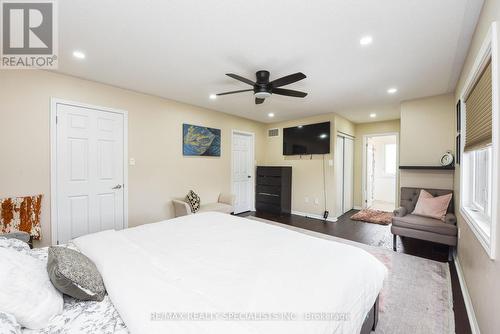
column 383, row 206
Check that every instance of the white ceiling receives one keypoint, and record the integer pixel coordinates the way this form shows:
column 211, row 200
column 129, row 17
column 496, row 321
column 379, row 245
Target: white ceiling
column 181, row 49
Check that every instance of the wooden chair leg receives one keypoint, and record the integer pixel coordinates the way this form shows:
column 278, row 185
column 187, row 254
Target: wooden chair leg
column 394, row 243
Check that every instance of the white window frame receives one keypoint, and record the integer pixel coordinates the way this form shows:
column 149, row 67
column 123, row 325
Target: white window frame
column 484, row 228
column 485, row 209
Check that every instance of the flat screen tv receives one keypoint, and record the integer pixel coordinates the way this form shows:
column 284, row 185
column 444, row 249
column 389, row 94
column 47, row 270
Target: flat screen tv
column 307, row 139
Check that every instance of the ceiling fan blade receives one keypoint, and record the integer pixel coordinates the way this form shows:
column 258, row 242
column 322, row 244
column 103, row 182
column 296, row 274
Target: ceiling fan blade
column 288, row 79
column 259, row 101
column 235, row 91
column 237, row 77
column 289, row 92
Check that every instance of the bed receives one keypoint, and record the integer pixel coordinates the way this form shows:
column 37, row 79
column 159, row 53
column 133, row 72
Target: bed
column 180, row 275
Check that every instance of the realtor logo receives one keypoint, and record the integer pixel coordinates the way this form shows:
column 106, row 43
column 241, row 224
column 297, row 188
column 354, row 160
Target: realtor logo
column 29, row 36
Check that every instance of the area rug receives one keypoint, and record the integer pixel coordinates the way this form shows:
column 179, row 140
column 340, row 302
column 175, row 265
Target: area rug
column 416, row 297
column 373, row 216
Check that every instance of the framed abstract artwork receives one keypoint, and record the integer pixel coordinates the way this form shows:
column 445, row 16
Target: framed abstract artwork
column 200, row 141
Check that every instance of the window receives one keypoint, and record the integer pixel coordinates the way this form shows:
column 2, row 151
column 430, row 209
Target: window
column 390, row 159
column 479, row 166
column 478, row 184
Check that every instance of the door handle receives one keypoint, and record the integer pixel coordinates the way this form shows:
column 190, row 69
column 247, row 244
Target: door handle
column 249, row 176
column 118, row 186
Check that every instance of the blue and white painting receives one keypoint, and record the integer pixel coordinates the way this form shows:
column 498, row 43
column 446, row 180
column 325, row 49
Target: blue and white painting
column 200, row 141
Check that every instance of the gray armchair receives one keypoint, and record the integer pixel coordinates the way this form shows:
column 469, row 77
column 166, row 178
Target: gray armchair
column 225, row 204
column 406, row 224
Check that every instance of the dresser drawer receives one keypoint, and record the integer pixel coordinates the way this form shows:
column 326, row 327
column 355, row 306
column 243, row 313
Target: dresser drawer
column 269, row 171
column 266, row 207
column 268, row 198
column 275, row 190
column 268, row 180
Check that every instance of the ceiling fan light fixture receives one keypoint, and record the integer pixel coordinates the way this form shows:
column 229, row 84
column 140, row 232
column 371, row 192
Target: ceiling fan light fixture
column 262, row 95
column 263, row 88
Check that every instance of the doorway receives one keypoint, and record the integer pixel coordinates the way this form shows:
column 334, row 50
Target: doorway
column 380, row 171
column 243, row 170
column 88, row 170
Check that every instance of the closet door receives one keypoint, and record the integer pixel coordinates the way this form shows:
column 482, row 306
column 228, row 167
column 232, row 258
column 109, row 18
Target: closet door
column 348, row 170
column 370, row 174
column 339, row 167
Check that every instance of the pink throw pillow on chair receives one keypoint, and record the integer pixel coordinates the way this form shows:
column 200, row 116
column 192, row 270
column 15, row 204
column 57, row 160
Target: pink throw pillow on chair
column 430, row 206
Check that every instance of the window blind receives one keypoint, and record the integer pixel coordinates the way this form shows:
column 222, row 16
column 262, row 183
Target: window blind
column 478, row 113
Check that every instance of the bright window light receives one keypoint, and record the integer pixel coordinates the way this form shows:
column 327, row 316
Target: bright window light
column 390, row 159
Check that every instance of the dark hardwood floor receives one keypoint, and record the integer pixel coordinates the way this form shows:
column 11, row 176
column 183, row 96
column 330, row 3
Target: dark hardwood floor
column 380, row 236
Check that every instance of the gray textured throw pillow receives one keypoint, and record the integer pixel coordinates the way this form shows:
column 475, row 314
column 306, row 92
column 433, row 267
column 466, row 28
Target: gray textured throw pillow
column 74, row 274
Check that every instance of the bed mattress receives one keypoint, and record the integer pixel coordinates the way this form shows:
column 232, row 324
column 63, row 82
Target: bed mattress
column 250, row 276
column 178, row 275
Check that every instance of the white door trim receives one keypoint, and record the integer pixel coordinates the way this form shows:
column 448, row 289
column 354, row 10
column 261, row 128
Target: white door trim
column 53, row 160
column 363, row 176
column 252, row 152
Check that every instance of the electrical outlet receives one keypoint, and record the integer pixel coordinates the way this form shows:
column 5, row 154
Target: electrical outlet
column 459, row 234
column 131, row 162
column 330, row 163
column 306, row 199
column 316, row 201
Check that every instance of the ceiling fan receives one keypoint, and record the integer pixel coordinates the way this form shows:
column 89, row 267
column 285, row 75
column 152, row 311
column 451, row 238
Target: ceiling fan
column 263, row 89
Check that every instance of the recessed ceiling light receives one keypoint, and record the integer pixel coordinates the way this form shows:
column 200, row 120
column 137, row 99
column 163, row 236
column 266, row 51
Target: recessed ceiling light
column 212, row 96
column 79, row 54
column 366, row 40
column 373, row 115
column 392, row 90
column 323, row 135
column 300, row 126
column 271, row 115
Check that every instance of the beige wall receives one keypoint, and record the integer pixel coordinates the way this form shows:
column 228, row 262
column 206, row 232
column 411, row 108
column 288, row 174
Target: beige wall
column 161, row 172
column 307, row 172
column 427, row 132
column 362, row 130
column 482, row 275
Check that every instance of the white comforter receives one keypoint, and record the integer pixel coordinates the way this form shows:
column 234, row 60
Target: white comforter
column 217, row 266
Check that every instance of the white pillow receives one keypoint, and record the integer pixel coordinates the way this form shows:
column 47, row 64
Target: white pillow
column 26, row 291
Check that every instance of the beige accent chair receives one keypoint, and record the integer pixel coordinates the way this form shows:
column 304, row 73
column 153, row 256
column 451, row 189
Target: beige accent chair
column 225, row 204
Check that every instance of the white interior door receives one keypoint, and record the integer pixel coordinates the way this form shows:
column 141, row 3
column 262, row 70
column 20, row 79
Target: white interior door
column 243, row 171
column 348, row 174
column 89, row 171
column 370, row 172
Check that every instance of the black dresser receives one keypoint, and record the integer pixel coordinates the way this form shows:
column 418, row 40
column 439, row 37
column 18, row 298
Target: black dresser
column 273, row 191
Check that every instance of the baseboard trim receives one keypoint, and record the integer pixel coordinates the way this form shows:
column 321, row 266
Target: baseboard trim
column 357, row 208
column 467, row 300
column 315, row 216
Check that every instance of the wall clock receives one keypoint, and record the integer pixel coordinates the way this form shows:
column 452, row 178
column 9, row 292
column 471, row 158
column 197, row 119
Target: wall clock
column 447, row 159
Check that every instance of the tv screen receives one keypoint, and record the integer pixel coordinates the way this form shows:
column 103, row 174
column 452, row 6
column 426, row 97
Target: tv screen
column 307, row 139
